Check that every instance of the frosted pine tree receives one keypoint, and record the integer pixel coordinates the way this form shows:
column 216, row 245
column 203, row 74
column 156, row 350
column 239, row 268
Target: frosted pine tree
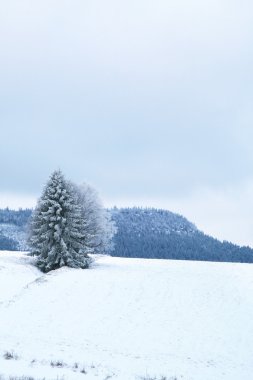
column 57, row 234
column 98, row 226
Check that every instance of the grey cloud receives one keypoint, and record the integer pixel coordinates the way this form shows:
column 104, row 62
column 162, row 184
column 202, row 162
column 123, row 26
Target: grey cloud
column 137, row 97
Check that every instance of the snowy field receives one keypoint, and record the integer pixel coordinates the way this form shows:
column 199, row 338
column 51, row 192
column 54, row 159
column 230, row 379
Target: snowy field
column 126, row 319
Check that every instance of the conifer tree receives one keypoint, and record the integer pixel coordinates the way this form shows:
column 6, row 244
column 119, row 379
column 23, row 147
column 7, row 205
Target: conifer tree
column 57, row 234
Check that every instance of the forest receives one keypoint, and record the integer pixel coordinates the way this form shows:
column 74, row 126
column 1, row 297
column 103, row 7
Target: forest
column 143, row 233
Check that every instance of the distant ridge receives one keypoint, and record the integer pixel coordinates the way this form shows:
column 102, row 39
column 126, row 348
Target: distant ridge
column 152, row 233
column 141, row 232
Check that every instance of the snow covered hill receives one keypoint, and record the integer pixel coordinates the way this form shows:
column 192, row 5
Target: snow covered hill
column 17, row 234
column 141, row 233
column 161, row 234
column 126, row 319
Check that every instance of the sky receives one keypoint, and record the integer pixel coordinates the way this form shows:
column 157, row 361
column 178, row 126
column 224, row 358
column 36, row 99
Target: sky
column 148, row 101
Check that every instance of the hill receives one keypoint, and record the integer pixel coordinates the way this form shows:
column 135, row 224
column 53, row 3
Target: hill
column 143, row 233
column 13, row 226
column 152, row 233
column 126, row 319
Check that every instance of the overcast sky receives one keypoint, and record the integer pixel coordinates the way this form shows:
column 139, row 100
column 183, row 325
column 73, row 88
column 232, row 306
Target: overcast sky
column 148, row 101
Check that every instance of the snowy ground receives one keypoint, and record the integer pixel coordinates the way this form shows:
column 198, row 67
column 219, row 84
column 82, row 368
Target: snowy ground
column 127, row 319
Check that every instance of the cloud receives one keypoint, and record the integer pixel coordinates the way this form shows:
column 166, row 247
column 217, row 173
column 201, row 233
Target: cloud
column 144, row 99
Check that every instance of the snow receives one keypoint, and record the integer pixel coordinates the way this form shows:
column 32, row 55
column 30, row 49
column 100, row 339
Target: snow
column 16, row 233
column 126, row 319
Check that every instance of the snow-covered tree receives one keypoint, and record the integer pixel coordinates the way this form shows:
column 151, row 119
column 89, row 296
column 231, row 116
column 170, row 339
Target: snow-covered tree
column 98, row 226
column 57, row 229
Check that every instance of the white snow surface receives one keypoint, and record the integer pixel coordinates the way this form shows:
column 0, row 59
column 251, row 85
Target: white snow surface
column 127, row 319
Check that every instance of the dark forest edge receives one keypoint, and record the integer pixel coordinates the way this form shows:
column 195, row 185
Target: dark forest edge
column 141, row 233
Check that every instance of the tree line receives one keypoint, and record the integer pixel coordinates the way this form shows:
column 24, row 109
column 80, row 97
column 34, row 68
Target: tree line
column 69, row 223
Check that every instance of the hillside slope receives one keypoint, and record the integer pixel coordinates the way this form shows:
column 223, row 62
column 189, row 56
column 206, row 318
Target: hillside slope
column 13, row 229
column 127, row 318
column 161, row 234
